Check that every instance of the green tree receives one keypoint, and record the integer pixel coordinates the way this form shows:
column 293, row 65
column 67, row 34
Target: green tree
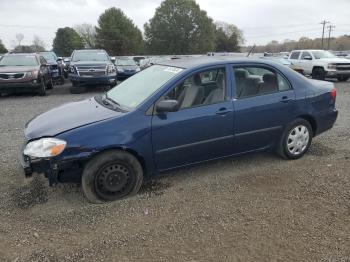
column 66, row 40
column 2, row 48
column 180, row 27
column 228, row 37
column 117, row 34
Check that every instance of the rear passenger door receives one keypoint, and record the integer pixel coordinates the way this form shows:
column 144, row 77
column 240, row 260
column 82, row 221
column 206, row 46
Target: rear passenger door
column 294, row 58
column 306, row 62
column 264, row 103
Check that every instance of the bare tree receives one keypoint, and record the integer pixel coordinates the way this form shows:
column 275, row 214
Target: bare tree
column 87, row 33
column 19, row 38
column 38, row 44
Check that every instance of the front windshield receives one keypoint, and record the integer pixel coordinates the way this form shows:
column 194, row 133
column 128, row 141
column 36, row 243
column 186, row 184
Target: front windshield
column 49, row 56
column 19, row 60
column 133, row 91
column 90, row 56
column 322, row 54
column 126, row 62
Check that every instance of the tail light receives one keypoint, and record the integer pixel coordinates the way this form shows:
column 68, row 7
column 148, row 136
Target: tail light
column 334, row 93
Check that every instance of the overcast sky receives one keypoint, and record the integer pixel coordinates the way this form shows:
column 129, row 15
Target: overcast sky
column 260, row 20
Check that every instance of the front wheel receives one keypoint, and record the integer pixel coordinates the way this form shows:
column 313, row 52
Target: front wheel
column 318, row 73
column 111, row 176
column 296, row 139
column 42, row 88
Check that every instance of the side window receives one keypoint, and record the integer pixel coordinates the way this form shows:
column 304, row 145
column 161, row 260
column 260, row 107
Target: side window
column 42, row 60
column 305, row 54
column 294, row 55
column 256, row 81
column 204, row 88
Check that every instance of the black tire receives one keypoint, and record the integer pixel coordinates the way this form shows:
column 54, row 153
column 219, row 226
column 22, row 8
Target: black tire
column 42, row 88
column 50, row 84
column 111, row 176
column 77, row 88
column 61, row 82
column 343, row 78
column 302, row 146
column 318, row 73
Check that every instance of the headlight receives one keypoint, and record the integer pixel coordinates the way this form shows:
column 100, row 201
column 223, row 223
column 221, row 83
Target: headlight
column 120, row 69
column 110, row 69
column 32, row 73
column 138, row 69
column 45, row 147
column 332, row 66
column 71, row 69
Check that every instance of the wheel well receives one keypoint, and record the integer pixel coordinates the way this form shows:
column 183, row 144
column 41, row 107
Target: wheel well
column 317, row 67
column 312, row 122
column 130, row 151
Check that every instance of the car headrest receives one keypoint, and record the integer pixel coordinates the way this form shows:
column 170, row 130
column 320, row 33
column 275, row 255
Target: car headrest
column 197, row 80
column 241, row 73
column 269, row 78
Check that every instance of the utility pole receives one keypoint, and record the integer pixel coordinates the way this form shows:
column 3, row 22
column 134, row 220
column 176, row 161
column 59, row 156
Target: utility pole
column 324, row 22
column 330, row 29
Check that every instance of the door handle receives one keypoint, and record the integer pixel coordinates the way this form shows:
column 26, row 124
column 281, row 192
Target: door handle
column 223, row 111
column 285, row 99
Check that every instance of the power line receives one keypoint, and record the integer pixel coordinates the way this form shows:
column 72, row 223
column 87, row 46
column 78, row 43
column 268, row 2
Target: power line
column 330, row 28
column 324, row 22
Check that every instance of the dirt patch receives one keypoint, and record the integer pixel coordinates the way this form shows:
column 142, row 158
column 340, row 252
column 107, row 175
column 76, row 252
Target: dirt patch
column 154, row 188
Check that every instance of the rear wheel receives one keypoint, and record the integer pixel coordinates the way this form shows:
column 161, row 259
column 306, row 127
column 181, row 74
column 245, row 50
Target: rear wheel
column 42, row 88
column 343, row 78
column 111, row 176
column 318, row 73
column 296, row 139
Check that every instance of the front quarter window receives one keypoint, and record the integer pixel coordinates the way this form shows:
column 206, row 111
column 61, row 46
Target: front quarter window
column 136, row 89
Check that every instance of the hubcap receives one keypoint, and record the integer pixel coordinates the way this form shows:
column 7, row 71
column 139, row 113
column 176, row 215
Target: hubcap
column 112, row 181
column 298, row 140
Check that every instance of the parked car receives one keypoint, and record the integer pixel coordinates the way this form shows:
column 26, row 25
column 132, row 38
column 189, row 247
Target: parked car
column 24, row 72
column 91, row 67
column 321, row 64
column 176, row 114
column 284, row 61
column 56, row 66
column 126, row 68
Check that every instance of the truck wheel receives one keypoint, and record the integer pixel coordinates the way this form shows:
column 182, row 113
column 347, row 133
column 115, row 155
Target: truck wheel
column 77, row 88
column 111, row 176
column 296, row 139
column 42, row 88
column 343, row 78
column 318, row 73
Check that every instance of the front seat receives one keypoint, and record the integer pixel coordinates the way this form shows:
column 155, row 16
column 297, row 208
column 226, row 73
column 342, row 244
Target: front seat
column 270, row 83
column 193, row 94
column 216, row 95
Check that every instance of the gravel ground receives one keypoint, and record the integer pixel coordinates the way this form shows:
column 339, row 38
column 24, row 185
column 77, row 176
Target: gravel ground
column 252, row 208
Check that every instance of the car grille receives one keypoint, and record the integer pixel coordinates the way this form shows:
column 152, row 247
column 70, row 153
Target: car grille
column 344, row 66
column 88, row 70
column 9, row 76
column 53, row 67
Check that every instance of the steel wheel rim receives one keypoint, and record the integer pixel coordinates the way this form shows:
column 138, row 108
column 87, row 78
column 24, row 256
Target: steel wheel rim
column 298, row 140
column 113, row 181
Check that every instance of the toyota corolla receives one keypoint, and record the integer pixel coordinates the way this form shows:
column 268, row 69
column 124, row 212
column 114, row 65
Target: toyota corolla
column 175, row 114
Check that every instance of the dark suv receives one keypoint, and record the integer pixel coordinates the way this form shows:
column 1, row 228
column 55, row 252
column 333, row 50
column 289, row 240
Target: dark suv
column 24, row 72
column 91, row 67
column 56, row 66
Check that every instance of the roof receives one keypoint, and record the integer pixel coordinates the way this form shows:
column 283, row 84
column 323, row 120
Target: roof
column 210, row 60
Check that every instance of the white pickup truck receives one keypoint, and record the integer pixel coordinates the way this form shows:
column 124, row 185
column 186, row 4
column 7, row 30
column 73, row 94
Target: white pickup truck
column 321, row 64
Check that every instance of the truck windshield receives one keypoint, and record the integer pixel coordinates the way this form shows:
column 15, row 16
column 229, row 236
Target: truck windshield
column 19, row 60
column 136, row 89
column 322, row 54
column 90, row 56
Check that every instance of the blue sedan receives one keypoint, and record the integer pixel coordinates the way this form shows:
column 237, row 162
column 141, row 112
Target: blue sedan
column 176, row 114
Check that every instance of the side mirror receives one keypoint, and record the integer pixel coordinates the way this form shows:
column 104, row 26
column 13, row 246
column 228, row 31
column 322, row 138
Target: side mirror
column 167, row 106
column 307, row 57
column 113, row 59
column 66, row 60
column 59, row 59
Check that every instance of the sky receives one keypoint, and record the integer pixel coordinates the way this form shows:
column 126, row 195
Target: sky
column 260, row 20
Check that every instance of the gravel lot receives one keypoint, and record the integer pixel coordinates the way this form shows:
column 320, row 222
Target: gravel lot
column 251, row 208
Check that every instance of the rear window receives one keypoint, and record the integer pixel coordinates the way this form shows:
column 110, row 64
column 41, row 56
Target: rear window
column 295, row 55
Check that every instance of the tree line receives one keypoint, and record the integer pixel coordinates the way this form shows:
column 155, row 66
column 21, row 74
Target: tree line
column 178, row 27
column 336, row 44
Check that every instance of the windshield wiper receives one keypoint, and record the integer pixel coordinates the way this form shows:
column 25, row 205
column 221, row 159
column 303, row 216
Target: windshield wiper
column 106, row 100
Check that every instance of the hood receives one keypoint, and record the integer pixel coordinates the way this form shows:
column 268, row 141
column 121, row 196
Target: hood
column 335, row 60
column 14, row 69
column 67, row 117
